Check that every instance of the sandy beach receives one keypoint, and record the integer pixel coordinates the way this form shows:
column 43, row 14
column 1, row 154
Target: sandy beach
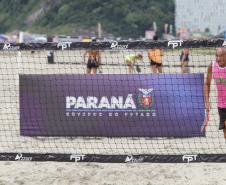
column 22, row 173
column 46, row 173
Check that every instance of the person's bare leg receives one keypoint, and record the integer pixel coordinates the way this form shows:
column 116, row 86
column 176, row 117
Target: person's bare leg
column 186, row 67
column 224, row 130
column 88, row 70
column 160, row 69
column 182, row 67
column 94, row 70
column 130, row 69
column 153, row 69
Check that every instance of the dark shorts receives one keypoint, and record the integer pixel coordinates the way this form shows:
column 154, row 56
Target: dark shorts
column 92, row 64
column 153, row 63
column 222, row 114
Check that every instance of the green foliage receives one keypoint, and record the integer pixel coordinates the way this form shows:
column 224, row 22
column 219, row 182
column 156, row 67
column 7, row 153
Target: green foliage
column 126, row 18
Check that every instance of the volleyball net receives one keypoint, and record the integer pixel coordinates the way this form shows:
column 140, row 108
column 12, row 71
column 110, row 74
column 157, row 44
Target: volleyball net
column 52, row 110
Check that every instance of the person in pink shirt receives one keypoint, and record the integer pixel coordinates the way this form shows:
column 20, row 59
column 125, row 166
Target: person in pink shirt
column 217, row 71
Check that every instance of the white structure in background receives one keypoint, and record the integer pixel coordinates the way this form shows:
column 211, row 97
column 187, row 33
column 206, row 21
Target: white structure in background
column 149, row 34
column 198, row 15
column 32, row 37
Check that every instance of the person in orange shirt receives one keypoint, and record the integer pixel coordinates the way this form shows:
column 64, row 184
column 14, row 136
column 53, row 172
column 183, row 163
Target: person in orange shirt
column 94, row 60
column 155, row 57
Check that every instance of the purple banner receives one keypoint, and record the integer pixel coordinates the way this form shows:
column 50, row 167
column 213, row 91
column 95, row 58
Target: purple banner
column 146, row 105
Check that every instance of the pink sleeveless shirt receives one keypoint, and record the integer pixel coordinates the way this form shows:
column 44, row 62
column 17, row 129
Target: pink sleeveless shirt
column 219, row 76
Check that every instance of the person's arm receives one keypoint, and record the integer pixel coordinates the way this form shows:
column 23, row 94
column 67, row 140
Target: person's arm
column 84, row 56
column 207, row 87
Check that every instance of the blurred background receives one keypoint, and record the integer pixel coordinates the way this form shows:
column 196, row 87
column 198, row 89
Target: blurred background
column 83, row 20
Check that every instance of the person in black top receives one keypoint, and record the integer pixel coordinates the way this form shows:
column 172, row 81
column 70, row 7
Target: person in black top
column 184, row 59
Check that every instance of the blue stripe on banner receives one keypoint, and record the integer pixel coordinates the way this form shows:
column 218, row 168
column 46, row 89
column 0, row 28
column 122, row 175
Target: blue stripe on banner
column 105, row 110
